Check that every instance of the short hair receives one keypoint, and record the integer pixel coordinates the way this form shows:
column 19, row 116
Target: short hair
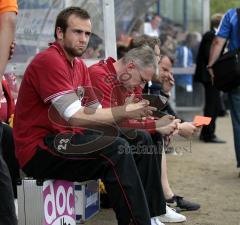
column 144, row 40
column 94, row 41
column 215, row 20
column 155, row 15
column 143, row 56
column 62, row 18
column 168, row 54
column 121, row 50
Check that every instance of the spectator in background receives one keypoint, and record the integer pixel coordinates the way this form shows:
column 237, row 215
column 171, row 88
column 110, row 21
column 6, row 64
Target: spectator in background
column 168, row 43
column 152, row 28
column 8, row 11
column 184, row 82
column 95, row 48
column 193, row 40
column 137, row 29
column 228, row 30
column 121, row 50
column 212, row 95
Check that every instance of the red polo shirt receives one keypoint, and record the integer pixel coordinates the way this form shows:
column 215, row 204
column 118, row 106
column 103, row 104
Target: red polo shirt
column 49, row 75
column 113, row 93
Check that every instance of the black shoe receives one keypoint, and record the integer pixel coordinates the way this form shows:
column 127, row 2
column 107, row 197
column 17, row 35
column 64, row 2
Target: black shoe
column 222, row 113
column 182, row 203
column 214, row 140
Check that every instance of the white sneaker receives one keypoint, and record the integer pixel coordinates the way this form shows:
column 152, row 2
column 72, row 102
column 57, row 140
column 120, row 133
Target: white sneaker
column 156, row 221
column 16, row 206
column 171, row 216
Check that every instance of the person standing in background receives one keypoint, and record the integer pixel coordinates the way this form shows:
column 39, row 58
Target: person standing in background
column 8, row 11
column 212, row 95
column 152, row 28
column 228, row 30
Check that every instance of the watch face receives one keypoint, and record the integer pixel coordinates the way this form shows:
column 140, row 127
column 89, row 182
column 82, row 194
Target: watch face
column 80, row 92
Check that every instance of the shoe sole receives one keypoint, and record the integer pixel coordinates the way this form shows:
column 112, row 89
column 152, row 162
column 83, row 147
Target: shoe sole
column 172, row 221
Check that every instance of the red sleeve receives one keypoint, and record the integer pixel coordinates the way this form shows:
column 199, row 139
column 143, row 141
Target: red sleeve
column 102, row 85
column 145, row 124
column 49, row 76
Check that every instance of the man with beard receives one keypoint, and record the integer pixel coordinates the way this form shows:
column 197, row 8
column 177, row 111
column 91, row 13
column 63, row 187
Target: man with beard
column 55, row 106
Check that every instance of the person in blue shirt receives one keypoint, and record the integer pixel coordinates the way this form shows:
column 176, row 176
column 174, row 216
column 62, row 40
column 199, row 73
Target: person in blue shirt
column 228, row 31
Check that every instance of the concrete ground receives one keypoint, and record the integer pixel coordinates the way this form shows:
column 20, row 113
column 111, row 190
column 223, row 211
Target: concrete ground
column 204, row 173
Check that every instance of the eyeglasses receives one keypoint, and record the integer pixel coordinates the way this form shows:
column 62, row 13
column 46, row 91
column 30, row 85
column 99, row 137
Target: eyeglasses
column 127, row 75
column 143, row 80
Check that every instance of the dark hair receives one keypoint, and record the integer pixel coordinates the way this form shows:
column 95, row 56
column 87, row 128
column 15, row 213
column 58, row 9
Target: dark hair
column 62, row 18
column 144, row 40
column 94, row 41
column 155, row 15
column 121, row 50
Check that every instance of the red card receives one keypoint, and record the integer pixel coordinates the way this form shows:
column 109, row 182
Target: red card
column 201, row 121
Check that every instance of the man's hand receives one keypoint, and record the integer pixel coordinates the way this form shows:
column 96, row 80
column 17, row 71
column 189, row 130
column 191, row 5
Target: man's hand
column 187, row 129
column 139, row 110
column 170, row 129
column 168, row 83
column 165, row 120
column 131, row 99
column 215, row 51
column 210, row 70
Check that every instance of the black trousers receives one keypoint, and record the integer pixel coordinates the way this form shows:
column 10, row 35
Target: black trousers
column 211, row 109
column 127, row 166
column 8, row 151
column 7, row 208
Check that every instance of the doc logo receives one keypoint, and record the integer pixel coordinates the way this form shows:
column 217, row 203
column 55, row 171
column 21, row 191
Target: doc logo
column 58, row 200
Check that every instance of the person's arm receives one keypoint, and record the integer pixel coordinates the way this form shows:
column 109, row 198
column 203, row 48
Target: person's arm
column 165, row 125
column 86, row 116
column 170, row 129
column 75, row 113
column 216, row 49
column 7, row 32
column 222, row 35
column 187, row 129
column 147, row 124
